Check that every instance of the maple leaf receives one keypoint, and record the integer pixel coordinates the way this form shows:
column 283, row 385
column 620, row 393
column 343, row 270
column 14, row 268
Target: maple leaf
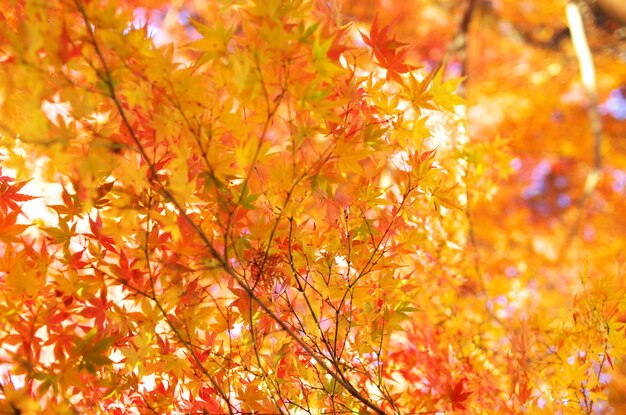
column 457, row 395
column 68, row 49
column 95, row 225
column 10, row 194
column 387, row 51
column 9, row 229
column 419, row 93
column 323, row 62
column 444, row 92
column 338, row 44
column 213, row 42
column 71, row 206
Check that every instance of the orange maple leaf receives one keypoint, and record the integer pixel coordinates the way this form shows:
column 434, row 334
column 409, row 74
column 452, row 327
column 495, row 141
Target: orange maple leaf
column 10, row 194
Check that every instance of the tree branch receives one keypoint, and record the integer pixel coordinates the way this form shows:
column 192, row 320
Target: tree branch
column 588, row 75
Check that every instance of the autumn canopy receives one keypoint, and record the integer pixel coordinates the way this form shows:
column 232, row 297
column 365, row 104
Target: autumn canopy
column 309, row 207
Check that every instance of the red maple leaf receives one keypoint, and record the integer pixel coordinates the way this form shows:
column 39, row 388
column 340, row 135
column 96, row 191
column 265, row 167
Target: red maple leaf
column 457, row 395
column 387, row 51
column 338, row 46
